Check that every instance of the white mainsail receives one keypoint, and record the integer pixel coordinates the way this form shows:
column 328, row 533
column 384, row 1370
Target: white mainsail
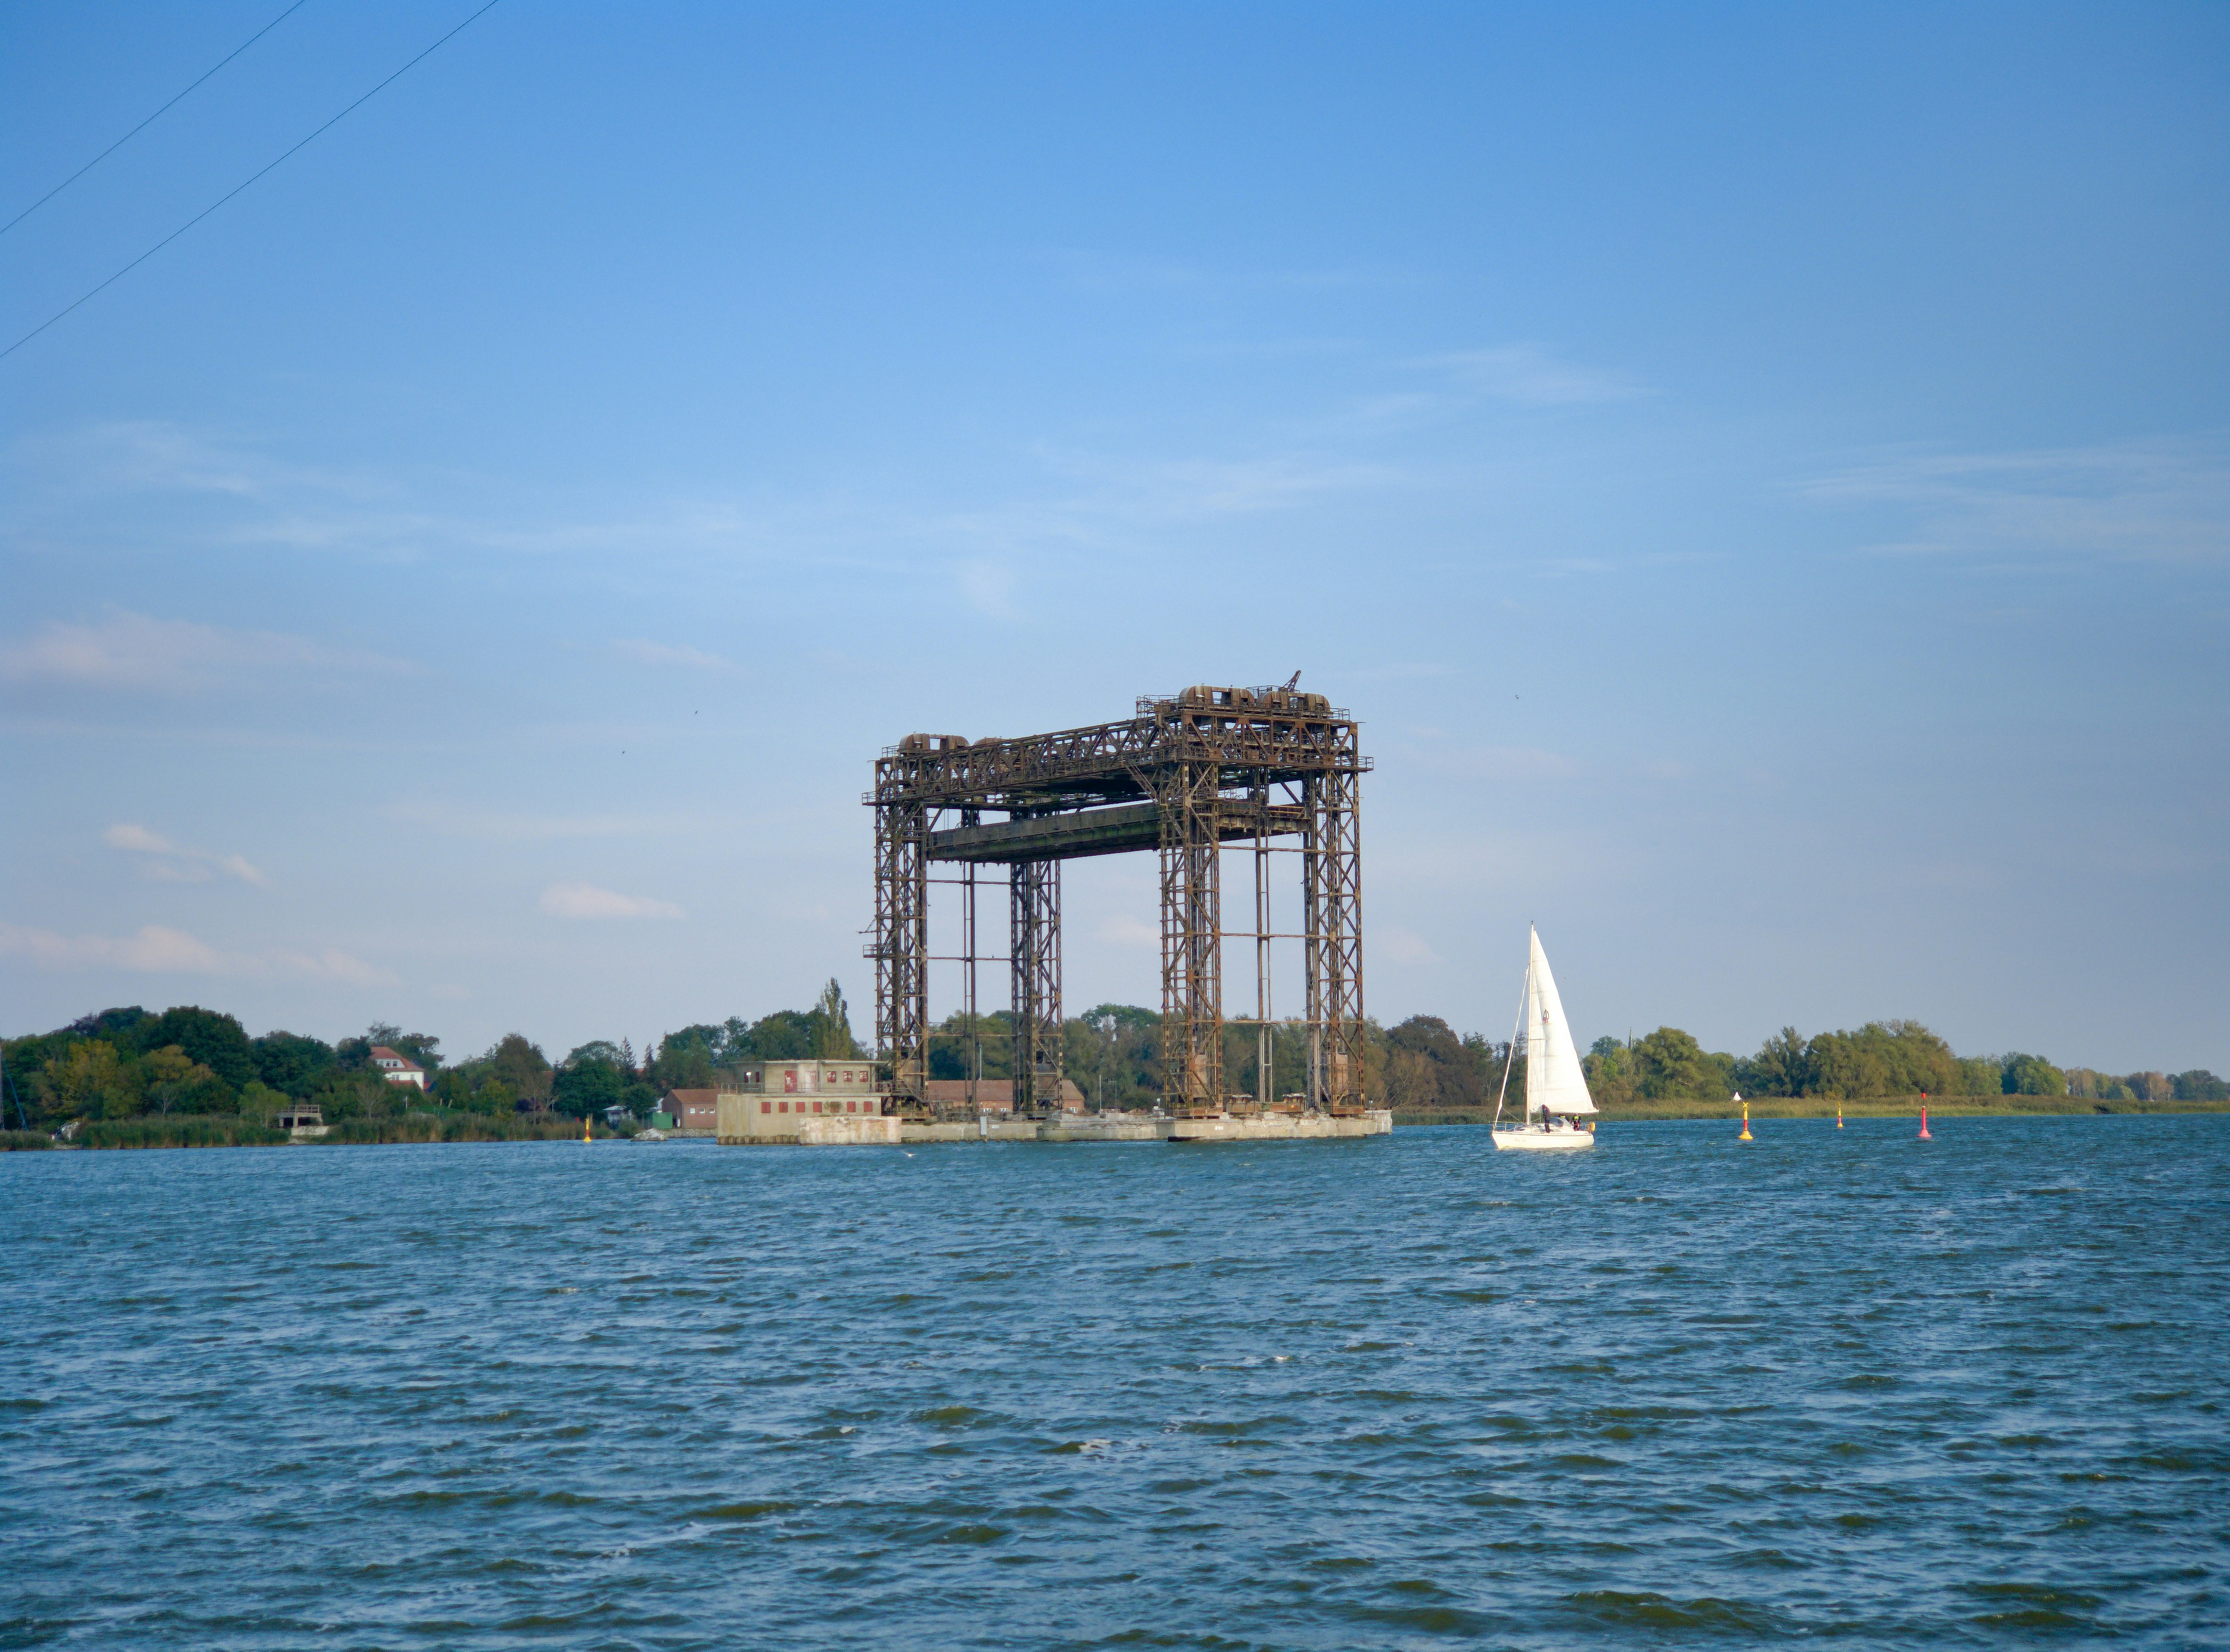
column 1554, row 1082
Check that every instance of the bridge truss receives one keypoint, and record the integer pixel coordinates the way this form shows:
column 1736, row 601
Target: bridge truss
column 1271, row 769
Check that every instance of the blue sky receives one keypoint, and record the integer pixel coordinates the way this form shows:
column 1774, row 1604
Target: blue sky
column 1761, row 474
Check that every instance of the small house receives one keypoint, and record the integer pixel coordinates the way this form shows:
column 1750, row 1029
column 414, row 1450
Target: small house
column 396, row 1069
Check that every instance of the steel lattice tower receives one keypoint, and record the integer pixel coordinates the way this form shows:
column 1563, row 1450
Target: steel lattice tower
column 1184, row 777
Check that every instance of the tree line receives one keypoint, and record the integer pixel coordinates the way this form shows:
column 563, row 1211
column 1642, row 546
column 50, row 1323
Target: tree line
column 1429, row 1067
column 192, row 1061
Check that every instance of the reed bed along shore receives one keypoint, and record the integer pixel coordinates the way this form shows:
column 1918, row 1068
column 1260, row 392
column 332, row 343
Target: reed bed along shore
column 220, row 1130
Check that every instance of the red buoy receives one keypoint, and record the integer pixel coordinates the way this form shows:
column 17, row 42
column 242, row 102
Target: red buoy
column 1924, row 1136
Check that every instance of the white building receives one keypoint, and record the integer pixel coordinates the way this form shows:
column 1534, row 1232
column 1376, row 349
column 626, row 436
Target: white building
column 396, row 1069
column 817, row 1103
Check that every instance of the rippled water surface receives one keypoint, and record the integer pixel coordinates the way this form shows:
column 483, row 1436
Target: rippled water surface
column 1391, row 1393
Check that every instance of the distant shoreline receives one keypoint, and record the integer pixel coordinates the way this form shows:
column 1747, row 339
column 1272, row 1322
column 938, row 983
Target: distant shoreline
column 1814, row 1107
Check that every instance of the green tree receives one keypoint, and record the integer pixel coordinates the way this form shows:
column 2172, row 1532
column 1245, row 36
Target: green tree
column 588, row 1085
column 1608, row 1067
column 1412, row 1082
column 1782, row 1066
column 1977, row 1076
column 261, row 1103
column 832, row 1026
column 2200, row 1085
column 1449, row 1080
column 686, row 1059
column 520, row 1066
column 959, row 1042
column 119, row 1027
column 172, row 1081
column 786, row 1035
column 210, row 1039
column 421, row 1047
column 88, row 1081
column 290, row 1062
column 1114, row 1052
column 1669, row 1064
column 2032, row 1076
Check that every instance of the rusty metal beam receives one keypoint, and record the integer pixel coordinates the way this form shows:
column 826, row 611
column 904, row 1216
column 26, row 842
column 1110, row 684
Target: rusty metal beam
column 1187, row 774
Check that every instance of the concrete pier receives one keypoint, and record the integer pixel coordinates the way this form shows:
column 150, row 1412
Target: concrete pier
column 1142, row 1127
column 1282, row 1127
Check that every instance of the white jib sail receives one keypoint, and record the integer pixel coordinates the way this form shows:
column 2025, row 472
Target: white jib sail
column 1554, row 1082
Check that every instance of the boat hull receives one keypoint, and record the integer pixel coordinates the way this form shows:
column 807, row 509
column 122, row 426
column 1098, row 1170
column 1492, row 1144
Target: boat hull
column 1543, row 1141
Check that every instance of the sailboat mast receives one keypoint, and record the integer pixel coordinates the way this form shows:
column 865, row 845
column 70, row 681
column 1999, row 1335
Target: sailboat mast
column 1509, row 1054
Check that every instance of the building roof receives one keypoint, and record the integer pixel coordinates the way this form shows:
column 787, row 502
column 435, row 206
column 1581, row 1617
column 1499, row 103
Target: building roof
column 694, row 1098
column 381, row 1052
column 989, row 1092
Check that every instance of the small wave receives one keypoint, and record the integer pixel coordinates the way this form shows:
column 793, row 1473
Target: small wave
column 1620, row 1610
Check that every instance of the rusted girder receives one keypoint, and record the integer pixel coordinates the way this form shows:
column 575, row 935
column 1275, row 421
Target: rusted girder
column 1187, row 774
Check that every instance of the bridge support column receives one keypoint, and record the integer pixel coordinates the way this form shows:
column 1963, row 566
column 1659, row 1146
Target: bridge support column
column 1192, row 943
column 1034, row 934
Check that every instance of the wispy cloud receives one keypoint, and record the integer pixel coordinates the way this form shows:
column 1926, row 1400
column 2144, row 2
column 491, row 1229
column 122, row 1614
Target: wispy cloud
column 331, row 964
column 156, row 949
column 1532, row 376
column 1077, row 499
column 137, row 652
column 169, row 863
column 2165, row 501
column 587, row 901
column 153, row 950
column 146, row 456
column 161, row 951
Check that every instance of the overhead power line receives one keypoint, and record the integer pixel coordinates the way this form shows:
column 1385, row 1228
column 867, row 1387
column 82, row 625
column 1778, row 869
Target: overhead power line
column 150, row 120
column 95, row 291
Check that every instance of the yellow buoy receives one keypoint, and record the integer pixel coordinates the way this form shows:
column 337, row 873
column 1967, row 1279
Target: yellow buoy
column 1745, row 1135
column 585, row 1137
column 1838, row 1115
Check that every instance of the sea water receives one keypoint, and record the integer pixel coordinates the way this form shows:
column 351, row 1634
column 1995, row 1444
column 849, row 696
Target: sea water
column 1398, row 1392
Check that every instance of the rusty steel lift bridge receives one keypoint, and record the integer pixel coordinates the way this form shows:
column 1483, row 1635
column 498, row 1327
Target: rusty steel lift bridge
column 1271, row 769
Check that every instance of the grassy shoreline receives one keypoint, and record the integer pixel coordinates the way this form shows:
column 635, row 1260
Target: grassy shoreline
column 425, row 1129
column 222, row 1130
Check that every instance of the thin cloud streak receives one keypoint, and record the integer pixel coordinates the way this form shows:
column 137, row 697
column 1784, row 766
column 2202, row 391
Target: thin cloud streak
column 587, row 901
column 169, row 863
column 157, row 950
column 2165, row 502
column 136, row 652
column 1532, row 376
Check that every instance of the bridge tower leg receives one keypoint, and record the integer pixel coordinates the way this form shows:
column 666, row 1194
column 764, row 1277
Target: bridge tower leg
column 1333, row 872
column 1036, row 949
column 901, row 946
column 1192, row 942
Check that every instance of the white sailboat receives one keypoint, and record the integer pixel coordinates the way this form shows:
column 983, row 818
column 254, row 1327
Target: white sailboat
column 1557, row 1097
